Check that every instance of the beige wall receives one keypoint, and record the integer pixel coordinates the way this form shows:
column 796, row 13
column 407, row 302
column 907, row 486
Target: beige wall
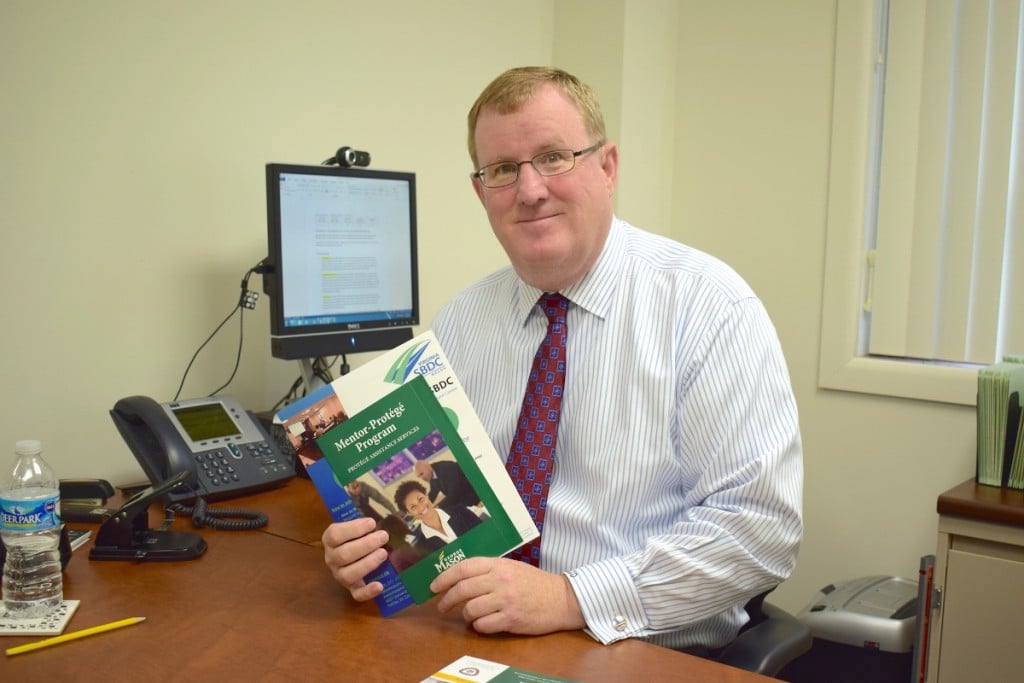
column 132, row 203
column 754, row 97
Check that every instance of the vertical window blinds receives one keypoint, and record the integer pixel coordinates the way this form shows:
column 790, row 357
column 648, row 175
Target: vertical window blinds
column 947, row 280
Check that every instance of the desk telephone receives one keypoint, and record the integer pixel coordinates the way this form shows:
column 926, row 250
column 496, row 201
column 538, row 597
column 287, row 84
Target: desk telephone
column 226, row 448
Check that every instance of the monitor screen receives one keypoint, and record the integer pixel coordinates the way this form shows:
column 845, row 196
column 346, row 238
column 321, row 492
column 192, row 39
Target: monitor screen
column 342, row 257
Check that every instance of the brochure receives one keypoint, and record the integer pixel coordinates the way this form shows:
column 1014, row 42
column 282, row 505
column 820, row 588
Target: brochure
column 475, row 670
column 397, row 440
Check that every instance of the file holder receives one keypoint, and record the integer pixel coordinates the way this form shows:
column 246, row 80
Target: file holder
column 126, row 535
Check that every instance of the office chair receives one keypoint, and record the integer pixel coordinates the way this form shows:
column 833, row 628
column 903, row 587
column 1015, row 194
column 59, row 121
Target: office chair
column 769, row 641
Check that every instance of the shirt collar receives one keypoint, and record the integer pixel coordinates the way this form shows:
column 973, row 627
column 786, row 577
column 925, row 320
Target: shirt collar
column 430, row 532
column 594, row 292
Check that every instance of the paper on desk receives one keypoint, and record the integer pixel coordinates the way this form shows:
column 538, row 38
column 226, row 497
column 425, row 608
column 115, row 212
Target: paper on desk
column 468, row 669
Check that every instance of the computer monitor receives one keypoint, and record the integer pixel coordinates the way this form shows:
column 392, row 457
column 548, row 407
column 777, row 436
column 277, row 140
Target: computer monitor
column 341, row 272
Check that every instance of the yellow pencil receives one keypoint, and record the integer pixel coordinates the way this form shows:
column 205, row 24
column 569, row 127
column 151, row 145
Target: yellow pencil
column 56, row 640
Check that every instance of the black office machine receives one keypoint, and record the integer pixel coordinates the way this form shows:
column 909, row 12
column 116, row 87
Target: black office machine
column 126, row 534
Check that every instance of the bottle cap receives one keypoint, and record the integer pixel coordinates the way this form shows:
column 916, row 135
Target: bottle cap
column 28, row 447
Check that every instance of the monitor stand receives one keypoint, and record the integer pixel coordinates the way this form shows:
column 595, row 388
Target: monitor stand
column 309, row 378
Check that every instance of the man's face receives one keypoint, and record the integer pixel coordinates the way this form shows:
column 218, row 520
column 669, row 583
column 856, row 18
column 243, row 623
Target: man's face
column 552, row 228
column 423, row 470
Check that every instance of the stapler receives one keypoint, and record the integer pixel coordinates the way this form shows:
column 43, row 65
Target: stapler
column 84, row 500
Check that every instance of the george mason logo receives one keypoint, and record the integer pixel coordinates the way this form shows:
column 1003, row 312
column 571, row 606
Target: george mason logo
column 450, row 560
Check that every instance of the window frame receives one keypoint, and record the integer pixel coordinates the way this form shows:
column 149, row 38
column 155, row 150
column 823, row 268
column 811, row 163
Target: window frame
column 843, row 363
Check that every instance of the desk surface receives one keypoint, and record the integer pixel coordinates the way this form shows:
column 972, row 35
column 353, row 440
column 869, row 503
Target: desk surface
column 261, row 606
column 985, row 503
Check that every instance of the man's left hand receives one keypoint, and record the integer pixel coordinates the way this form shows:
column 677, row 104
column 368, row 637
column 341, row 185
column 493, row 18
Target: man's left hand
column 502, row 595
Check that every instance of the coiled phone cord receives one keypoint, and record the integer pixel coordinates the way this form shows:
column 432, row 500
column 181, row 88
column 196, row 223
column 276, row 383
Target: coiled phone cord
column 215, row 517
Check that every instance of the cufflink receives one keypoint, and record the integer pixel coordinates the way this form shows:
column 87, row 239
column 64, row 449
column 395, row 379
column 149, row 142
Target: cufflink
column 619, row 622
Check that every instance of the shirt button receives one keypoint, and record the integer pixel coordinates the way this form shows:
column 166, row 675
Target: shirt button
column 619, row 623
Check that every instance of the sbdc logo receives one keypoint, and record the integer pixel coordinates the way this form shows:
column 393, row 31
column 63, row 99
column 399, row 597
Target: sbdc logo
column 429, row 365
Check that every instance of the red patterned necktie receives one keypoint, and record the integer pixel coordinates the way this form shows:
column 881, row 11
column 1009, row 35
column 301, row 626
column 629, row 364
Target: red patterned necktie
column 531, row 459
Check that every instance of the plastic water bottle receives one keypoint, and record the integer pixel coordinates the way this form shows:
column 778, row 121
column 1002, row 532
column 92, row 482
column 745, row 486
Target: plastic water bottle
column 30, row 527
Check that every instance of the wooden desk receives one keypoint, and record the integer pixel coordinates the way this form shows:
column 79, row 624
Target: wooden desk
column 261, row 606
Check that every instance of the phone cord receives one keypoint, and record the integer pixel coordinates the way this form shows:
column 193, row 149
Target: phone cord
column 215, row 517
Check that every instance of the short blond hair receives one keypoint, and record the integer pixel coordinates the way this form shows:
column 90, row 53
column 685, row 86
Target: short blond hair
column 508, row 92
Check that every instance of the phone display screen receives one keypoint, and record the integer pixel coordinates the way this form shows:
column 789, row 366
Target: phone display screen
column 206, row 421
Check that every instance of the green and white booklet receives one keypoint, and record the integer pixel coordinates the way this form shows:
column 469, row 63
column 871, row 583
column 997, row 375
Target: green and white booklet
column 475, row 670
column 361, row 438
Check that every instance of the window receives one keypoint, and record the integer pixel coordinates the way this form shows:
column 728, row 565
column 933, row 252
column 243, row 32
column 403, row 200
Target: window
column 925, row 249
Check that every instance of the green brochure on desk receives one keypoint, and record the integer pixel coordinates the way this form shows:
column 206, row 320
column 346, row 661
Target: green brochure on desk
column 379, row 447
column 475, row 670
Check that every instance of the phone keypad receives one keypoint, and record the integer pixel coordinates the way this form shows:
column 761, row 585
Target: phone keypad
column 216, row 468
column 225, row 466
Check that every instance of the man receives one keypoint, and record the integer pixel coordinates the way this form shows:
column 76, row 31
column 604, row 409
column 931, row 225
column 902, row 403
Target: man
column 677, row 481
column 449, row 487
column 362, row 493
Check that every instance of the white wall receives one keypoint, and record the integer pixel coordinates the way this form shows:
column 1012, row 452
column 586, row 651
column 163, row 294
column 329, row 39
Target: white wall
column 132, row 202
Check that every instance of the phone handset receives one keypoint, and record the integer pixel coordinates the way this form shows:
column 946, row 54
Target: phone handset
column 146, row 429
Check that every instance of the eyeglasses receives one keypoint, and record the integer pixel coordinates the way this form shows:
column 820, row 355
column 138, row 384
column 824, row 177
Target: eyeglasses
column 554, row 162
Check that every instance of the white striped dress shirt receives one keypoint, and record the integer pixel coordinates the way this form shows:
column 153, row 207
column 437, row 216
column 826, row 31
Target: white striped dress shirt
column 678, row 472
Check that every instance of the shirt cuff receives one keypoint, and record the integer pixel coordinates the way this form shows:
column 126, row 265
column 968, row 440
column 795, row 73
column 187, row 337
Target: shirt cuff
column 609, row 601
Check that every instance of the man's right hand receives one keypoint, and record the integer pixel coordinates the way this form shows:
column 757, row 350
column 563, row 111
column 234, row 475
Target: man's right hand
column 351, row 551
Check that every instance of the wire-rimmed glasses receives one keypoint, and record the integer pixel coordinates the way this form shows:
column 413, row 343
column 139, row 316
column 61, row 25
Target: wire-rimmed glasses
column 552, row 162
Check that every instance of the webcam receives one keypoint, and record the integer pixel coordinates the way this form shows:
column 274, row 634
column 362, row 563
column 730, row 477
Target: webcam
column 347, row 156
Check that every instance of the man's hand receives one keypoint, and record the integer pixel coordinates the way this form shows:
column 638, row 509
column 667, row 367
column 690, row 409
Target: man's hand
column 501, row 595
column 351, row 551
